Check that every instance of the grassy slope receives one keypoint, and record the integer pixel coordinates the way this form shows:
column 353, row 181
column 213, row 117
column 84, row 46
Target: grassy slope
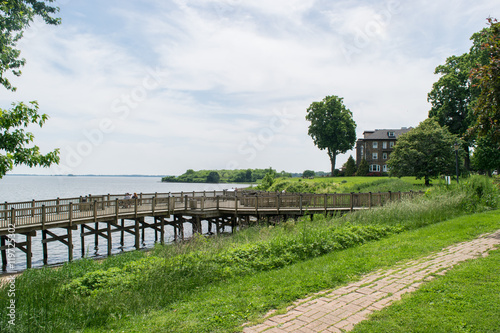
column 224, row 307
column 464, row 300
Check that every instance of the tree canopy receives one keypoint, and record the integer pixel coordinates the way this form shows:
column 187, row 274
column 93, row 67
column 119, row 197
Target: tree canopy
column 424, row 152
column 363, row 168
column 350, row 166
column 14, row 138
column 453, row 94
column 486, row 155
column 487, row 105
column 15, row 17
column 332, row 127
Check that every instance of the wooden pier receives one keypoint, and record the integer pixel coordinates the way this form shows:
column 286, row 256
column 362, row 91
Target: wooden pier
column 102, row 215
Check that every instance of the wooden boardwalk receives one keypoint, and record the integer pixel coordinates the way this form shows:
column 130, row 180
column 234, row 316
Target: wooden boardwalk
column 218, row 208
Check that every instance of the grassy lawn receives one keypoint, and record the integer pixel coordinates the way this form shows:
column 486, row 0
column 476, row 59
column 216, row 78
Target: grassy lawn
column 225, row 306
column 464, row 300
column 350, row 184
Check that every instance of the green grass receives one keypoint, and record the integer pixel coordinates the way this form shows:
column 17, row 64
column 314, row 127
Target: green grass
column 464, row 300
column 348, row 184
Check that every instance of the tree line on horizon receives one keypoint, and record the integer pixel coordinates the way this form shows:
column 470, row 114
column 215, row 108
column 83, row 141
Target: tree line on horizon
column 224, row 176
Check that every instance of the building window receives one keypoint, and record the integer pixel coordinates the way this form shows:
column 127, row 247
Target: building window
column 374, row 168
column 375, row 144
column 374, row 156
column 385, row 168
column 384, row 156
column 391, row 144
column 391, row 134
column 384, row 145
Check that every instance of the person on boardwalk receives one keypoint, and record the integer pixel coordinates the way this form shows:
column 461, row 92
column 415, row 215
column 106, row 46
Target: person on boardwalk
column 126, row 200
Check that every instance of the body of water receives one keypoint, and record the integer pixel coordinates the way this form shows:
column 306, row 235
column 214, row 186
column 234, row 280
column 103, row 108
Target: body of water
column 26, row 188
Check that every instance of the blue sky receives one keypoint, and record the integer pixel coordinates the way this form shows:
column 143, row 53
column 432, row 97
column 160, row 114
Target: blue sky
column 158, row 87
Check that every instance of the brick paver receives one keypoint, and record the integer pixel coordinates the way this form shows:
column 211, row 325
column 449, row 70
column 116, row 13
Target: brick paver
column 340, row 309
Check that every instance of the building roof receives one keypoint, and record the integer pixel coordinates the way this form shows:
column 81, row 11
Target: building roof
column 385, row 134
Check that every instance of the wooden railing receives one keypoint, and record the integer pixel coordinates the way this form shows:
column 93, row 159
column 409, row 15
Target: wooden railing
column 94, row 208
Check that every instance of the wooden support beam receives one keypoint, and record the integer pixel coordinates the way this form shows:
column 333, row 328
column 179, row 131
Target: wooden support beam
column 70, row 244
column 96, row 236
column 82, row 239
column 29, row 254
column 4, row 252
column 122, row 233
column 110, row 242
column 137, row 235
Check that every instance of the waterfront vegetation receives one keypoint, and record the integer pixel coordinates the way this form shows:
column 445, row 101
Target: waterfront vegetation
column 223, row 176
column 218, row 284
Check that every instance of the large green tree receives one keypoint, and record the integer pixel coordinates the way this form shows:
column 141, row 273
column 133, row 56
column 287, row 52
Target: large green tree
column 16, row 145
column 424, row 152
column 332, row 127
column 487, row 105
column 453, row 93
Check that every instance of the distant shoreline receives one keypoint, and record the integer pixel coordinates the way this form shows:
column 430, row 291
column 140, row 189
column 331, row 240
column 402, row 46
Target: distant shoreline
column 71, row 175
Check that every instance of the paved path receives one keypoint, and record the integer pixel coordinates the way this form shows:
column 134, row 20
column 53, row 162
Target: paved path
column 340, row 309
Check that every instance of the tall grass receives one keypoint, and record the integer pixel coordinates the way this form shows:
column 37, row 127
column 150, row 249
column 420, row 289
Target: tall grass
column 89, row 294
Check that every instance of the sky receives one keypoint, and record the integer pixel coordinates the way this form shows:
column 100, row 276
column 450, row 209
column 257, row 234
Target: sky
column 156, row 87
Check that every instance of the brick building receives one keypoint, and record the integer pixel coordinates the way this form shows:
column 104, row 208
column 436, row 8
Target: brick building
column 376, row 146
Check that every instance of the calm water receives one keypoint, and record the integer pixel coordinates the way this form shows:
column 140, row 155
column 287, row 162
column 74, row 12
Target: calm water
column 26, row 188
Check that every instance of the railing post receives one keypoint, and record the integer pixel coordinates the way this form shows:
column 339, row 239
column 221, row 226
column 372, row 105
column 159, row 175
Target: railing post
column 325, row 203
column 236, row 205
column 186, row 202
column 369, row 200
column 218, row 198
column 203, row 201
column 33, row 208
column 278, row 202
column 300, row 203
column 95, row 210
column 57, row 205
column 352, row 201
column 169, row 198
column 117, row 208
column 390, row 196
column 257, row 205
column 13, row 217
column 135, row 207
column 43, row 217
column 153, row 204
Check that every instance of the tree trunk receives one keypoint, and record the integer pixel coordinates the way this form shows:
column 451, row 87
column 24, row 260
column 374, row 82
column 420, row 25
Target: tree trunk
column 427, row 181
column 333, row 157
column 467, row 158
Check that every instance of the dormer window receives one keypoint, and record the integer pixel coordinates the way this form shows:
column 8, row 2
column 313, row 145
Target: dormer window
column 391, row 134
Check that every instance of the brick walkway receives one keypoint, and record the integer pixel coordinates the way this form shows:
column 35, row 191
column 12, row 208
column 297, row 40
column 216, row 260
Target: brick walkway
column 340, row 309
